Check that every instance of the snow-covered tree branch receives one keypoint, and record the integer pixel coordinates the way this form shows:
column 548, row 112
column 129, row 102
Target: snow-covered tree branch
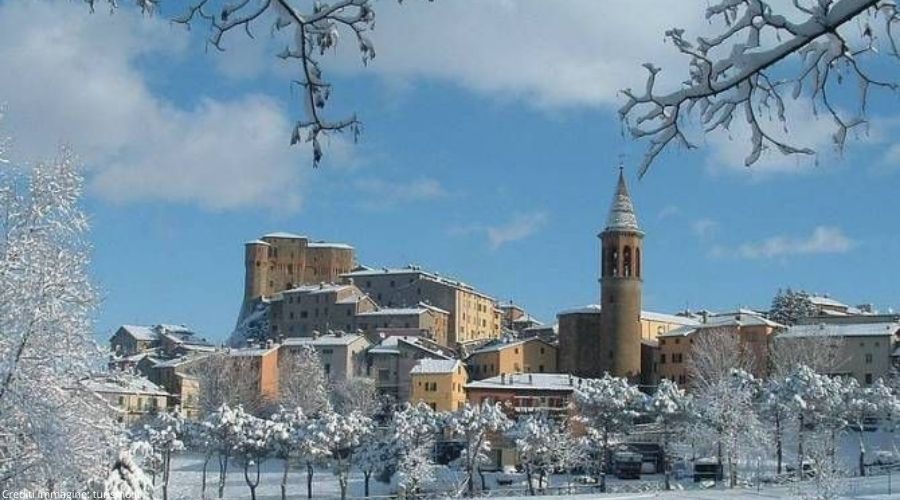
column 745, row 70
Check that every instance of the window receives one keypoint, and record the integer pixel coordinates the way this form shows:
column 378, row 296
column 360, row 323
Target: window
column 542, row 350
column 868, row 359
column 327, row 369
column 327, row 351
column 626, row 259
column 868, row 379
column 541, row 368
column 662, row 359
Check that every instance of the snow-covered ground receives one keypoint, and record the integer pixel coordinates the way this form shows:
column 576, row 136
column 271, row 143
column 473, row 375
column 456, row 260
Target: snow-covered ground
column 187, row 474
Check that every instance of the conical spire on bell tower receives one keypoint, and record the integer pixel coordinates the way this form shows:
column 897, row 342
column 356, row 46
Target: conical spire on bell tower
column 621, row 211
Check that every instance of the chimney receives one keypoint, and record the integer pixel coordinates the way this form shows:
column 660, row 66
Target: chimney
column 315, row 334
column 503, row 379
column 704, row 315
column 570, row 379
column 249, row 342
column 269, row 343
column 530, row 379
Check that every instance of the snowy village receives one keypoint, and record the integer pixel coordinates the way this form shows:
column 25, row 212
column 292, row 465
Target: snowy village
column 569, row 249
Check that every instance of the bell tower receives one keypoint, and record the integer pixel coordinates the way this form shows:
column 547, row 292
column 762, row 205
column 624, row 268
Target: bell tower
column 621, row 280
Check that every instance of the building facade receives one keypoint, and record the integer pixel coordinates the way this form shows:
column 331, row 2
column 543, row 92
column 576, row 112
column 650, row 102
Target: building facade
column 473, row 316
column 323, row 307
column 131, row 396
column 500, row 357
column 753, row 331
column 282, row 261
column 343, row 355
column 390, row 362
column 439, row 383
column 422, row 317
column 864, row 344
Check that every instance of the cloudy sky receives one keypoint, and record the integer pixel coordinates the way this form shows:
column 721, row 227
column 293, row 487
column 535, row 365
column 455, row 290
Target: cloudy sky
column 490, row 133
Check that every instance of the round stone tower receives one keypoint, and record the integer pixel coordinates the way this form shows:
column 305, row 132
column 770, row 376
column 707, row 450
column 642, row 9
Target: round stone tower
column 621, row 281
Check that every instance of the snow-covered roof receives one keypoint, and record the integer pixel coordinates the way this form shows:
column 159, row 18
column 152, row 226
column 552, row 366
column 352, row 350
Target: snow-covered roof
column 429, row 365
column 252, row 351
column 499, row 345
column 257, row 242
column 534, row 381
column 122, row 383
column 140, row 332
column 176, row 362
column 391, row 345
column 527, row 318
column 281, row 234
column 364, row 271
column 740, row 318
column 320, row 288
column 645, row 315
column 824, row 300
column 325, row 244
column 329, row 339
column 395, row 311
column 621, row 211
column 881, row 329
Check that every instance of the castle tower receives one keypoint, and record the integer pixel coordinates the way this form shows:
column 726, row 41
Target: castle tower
column 621, row 281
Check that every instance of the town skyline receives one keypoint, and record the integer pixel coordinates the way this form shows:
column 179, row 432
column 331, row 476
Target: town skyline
column 503, row 175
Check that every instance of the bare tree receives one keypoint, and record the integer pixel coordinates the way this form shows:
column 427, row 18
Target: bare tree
column 358, row 394
column 740, row 71
column 302, row 382
column 715, row 353
column 227, row 379
column 820, row 351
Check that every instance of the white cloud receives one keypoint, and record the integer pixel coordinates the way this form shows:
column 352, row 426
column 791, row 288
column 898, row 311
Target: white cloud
column 519, row 227
column 669, row 211
column 382, row 193
column 566, row 54
column 704, row 227
column 69, row 76
column 823, row 240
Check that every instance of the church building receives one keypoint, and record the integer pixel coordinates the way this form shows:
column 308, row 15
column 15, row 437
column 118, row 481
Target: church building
column 609, row 337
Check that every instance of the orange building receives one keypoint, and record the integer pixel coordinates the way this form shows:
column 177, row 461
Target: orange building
column 754, row 331
column 263, row 364
column 439, row 383
column 532, row 355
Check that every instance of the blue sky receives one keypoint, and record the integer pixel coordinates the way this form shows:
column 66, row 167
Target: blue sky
column 498, row 153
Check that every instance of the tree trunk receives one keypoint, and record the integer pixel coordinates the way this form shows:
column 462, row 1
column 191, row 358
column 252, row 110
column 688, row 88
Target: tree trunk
column 800, row 449
column 470, row 471
column 309, row 478
column 366, row 476
column 779, row 452
column 718, row 457
column 250, row 483
column 167, row 461
column 284, row 476
column 667, row 471
column 342, row 481
column 481, row 476
column 528, row 476
column 205, row 466
column 223, row 471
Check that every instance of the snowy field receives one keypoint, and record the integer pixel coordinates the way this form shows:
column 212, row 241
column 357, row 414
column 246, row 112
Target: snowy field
column 187, row 474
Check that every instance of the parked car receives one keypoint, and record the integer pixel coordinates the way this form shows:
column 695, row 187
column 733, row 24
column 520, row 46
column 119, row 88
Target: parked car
column 627, row 464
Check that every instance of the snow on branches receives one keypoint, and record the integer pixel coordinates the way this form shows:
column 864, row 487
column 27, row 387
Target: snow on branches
column 311, row 32
column 53, row 430
column 737, row 72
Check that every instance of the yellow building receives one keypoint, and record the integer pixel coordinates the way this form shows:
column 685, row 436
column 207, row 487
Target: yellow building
column 132, row 397
column 751, row 328
column 532, row 355
column 473, row 316
column 281, row 261
column 439, row 383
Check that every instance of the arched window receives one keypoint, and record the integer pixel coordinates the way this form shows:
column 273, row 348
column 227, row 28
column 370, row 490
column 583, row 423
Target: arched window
column 611, row 267
column 637, row 261
column 626, row 268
